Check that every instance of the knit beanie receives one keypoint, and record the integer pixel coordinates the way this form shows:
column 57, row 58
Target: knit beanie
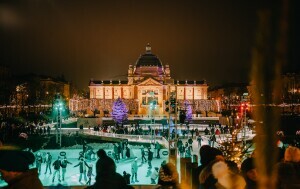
column 15, row 160
column 247, row 165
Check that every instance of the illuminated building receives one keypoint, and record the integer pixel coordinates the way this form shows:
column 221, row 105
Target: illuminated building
column 147, row 81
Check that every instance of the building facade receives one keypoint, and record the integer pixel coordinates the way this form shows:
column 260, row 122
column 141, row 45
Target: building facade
column 149, row 82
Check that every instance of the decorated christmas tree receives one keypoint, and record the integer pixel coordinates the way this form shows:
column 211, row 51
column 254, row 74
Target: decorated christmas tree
column 189, row 112
column 234, row 149
column 119, row 111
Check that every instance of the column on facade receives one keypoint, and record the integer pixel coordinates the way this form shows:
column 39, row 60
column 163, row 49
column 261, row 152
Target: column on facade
column 184, row 93
column 121, row 93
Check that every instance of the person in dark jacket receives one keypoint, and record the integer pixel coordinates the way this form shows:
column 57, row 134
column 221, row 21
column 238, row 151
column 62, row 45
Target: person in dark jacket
column 14, row 168
column 207, row 155
column 116, row 153
column 64, row 163
column 107, row 177
column 127, row 152
column 249, row 173
column 104, row 163
column 38, row 162
column 150, row 157
column 168, row 176
column 143, row 155
column 56, row 166
column 126, row 177
column 82, row 169
column 90, row 174
column 289, row 169
column 48, row 162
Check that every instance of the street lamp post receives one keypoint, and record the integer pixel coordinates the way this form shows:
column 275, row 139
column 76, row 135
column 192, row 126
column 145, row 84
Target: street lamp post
column 58, row 107
column 152, row 118
column 244, row 111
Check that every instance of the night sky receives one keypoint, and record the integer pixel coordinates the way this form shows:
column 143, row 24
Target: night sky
column 98, row 39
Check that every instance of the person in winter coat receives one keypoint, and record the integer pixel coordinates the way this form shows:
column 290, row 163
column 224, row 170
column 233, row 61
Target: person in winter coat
column 190, row 143
column 38, row 162
column 48, row 161
column 226, row 178
column 126, row 177
column 127, row 152
column 116, row 153
column 150, row 157
column 64, row 163
column 14, row 169
column 82, row 169
column 199, row 139
column 249, row 173
column 289, row 169
column 56, row 166
column 154, row 175
column 143, row 155
column 157, row 149
column 90, row 174
column 134, row 170
column 168, row 177
column 104, row 164
column 107, row 177
column 207, row 155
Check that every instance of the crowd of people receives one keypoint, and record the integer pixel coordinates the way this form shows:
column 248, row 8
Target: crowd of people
column 12, row 131
column 215, row 172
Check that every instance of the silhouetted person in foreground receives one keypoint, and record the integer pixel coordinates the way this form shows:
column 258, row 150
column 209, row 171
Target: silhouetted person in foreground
column 289, row 169
column 207, row 154
column 168, row 177
column 249, row 172
column 107, row 177
column 14, row 168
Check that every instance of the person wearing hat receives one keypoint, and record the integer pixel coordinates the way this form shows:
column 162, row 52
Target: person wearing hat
column 14, row 168
column 106, row 175
column 249, row 173
column 82, row 169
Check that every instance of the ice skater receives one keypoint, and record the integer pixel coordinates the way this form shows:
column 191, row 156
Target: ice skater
column 154, row 175
column 150, row 157
column 199, row 139
column 126, row 177
column 82, row 169
column 56, row 167
column 38, row 162
column 48, row 161
column 90, row 174
column 143, row 155
column 134, row 170
column 63, row 165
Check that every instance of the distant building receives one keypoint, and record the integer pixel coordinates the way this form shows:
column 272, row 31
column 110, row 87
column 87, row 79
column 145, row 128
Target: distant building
column 34, row 89
column 148, row 81
column 51, row 86
column 291, row 88
column 291, row 83
column 230, row 95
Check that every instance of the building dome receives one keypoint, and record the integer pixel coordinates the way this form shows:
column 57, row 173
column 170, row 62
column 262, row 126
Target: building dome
column 148, row 59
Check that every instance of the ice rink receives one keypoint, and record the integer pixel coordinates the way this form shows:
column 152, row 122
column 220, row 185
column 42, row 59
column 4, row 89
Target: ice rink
column 72, row 173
